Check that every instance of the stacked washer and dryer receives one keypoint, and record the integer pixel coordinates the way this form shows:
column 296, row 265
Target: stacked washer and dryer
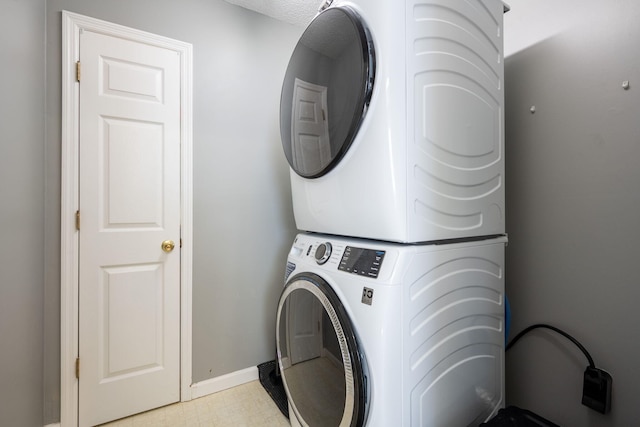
column 392, row 121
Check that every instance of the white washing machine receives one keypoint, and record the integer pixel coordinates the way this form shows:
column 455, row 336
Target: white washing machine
column 382, row 334
column 392, row 120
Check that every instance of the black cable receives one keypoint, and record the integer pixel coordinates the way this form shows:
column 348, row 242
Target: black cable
column 561, row 332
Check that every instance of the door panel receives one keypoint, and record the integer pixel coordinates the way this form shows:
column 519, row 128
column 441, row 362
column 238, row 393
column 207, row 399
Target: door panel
column 129, row 288
column 132, row 149
column 305, row 335
column 139, row 349
column 310, row 130
column 131, row 80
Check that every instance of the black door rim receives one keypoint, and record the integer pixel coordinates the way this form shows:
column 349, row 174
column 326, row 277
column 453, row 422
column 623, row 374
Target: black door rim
column 367, row 78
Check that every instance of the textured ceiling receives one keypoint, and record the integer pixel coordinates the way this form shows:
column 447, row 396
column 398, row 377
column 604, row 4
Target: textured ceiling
column 297, row 12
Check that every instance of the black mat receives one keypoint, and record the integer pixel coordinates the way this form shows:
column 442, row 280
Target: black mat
column 512, row 416
column 273, row 385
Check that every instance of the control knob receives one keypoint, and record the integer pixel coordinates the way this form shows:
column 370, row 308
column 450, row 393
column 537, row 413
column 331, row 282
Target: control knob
column 323, row 252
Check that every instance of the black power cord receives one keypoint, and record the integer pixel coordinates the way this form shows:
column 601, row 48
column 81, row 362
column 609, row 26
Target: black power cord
column 596, row 390
column 553, row 328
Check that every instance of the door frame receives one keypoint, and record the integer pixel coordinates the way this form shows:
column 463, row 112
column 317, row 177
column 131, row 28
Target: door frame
column 72, row 25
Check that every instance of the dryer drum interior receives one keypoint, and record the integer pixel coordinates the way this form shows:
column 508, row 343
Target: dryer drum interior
column 326, row 91
column 323, row 369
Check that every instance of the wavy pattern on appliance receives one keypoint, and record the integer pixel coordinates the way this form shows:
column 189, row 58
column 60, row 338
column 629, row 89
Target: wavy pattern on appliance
column 456, row 52
column 456, row 331
column 464, row 15
column 457, row 122
column 445, row 277
column 448, row 220
column 477, row 364
column 457, row 190
column 429, row 322
column 448, row 202
column 456, row 84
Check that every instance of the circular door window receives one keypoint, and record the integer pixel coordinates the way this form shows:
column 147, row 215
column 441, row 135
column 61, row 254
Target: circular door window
column 326, row 91
column 322, row 367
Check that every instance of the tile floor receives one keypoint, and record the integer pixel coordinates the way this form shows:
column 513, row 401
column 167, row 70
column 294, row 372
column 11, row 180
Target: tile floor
column 247, row 405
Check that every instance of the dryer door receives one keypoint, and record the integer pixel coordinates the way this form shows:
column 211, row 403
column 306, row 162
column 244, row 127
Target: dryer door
column 323, row 369
column 326, row 91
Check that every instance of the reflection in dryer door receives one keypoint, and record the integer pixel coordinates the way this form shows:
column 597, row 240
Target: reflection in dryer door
column 322, row 368
column 314, row 376
column 303, row 327
column 326, row 91
column 311, row 150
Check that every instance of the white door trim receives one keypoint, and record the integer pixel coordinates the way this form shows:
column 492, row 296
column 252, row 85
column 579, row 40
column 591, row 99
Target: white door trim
column 72, row 25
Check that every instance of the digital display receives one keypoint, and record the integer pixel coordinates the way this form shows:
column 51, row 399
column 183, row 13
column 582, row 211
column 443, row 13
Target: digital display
column 363, row 262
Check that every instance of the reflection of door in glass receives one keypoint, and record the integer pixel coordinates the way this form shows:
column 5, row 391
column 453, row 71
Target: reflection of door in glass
column 310, row 147
column 304, row 326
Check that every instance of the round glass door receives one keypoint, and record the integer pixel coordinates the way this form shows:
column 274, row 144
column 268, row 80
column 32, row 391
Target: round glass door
column 326, row 91
column 322, row 367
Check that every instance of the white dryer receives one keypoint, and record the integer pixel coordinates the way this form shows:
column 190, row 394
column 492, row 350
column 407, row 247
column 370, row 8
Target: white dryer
column 392, row 120
column 383, row 334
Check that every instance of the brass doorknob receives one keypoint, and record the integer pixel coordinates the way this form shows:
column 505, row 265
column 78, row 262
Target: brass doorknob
column 168, row 245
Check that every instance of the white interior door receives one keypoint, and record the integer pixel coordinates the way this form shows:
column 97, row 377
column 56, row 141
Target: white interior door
column 304, row 323
column 129, row 198
column 310, row 147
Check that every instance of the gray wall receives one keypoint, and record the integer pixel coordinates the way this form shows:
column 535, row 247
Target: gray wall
column 22, row 130
column 573, row 195
column 243, row 224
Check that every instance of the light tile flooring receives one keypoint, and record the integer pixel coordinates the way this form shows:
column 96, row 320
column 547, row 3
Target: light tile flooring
column 247, row 405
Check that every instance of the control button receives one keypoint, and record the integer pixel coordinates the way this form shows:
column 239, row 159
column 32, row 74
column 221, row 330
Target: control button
column 323, row 252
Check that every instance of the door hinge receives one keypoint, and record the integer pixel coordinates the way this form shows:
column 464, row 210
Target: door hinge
column 181, row 243
column 78, row 69
column 78, row 220
column 77, row 367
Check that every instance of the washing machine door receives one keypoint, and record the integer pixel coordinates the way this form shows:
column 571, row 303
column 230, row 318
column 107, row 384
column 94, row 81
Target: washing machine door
column 326, row 91
column 323, row 369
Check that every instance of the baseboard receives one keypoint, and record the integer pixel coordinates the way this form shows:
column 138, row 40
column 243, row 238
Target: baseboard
column 214, row 385
column 217, row 384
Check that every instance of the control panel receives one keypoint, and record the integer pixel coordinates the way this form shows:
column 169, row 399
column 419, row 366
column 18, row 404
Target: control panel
column 363, row 262
column 356, row 260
